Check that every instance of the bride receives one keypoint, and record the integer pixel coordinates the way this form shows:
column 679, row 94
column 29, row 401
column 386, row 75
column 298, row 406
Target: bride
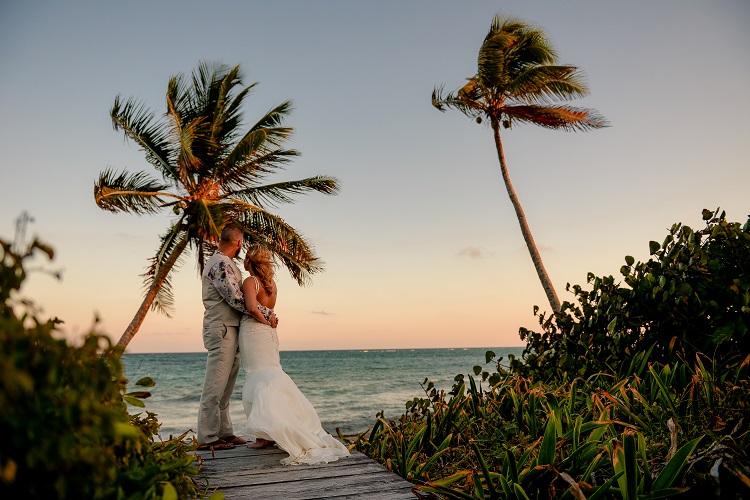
column 276, row 410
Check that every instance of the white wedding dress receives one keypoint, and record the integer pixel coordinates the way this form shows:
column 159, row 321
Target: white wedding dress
column 275, row 408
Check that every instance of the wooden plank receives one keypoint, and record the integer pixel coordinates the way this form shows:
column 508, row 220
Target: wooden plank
column 245, row 464
column 243, row 470
column 302, row 473
column 258, row 474
column 323, row 488
column 377, row 495
column 238, row 451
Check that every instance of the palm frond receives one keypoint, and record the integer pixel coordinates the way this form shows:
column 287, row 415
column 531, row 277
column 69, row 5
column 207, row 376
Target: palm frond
column 462, row 102
column 294, row 252
column 566, row 118
column 538, row 84
column 493, row 59
column 271, row 194
column 164, row 301
column 141, row 126
column 260, row 141
column 532, row 48
column 275, row 117
column 181, row 138
column 226, row 115
column 254, row 168
column 137, row 193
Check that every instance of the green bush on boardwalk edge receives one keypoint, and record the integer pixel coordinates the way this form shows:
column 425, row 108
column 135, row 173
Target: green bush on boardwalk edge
column 67, row 433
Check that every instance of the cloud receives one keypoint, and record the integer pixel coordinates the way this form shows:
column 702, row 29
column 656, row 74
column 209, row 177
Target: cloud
column 471, row 252
column 323, row 313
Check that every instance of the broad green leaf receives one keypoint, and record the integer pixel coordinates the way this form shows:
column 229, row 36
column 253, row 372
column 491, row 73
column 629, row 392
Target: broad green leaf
column 604, row 489
column 631, row 468
column 512, row 471
column 478, row 488
column 549, row 444
column 133, row 401
column 446, row 481
column 146, row 382
column 485, row 469
column 505, row 485
column 520, row 493
column 618, row 464
column 170, row 493
column 444, row 490
column 674, row 467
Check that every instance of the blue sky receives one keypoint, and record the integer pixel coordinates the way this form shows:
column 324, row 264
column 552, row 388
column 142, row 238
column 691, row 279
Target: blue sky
column 422, row 247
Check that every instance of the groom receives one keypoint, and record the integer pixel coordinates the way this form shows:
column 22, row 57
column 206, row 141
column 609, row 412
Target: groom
column 225, row 305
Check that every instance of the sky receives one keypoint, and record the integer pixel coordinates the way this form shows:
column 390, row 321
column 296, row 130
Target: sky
column 421, row 247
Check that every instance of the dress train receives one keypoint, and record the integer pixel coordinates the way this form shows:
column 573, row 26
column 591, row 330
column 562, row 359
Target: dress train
column 275, row 408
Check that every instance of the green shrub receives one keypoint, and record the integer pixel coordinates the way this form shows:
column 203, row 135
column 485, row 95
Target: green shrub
column 66, row 429
column 692, row 296
column 638, row 391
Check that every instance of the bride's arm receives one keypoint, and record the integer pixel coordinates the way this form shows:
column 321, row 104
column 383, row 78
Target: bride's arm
column 251, row 301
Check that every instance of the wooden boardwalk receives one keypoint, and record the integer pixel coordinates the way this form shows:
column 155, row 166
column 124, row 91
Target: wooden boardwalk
column 258, row 475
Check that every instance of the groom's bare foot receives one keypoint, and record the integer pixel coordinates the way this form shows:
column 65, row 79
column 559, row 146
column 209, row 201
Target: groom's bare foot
column 259, row 443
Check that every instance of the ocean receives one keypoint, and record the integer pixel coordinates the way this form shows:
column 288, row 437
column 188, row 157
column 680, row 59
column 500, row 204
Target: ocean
column 347, row 388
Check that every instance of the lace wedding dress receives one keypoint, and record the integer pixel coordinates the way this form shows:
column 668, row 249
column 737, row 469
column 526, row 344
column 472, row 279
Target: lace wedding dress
column 276, row 410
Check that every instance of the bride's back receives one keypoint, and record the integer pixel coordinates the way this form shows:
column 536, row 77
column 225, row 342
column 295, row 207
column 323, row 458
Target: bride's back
column 266, row 299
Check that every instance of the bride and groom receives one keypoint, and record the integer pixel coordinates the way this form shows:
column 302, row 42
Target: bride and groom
column 239, row 328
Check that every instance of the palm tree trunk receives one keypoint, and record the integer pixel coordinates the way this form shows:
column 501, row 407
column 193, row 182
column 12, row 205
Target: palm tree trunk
column 140, row 315
column 554, row 302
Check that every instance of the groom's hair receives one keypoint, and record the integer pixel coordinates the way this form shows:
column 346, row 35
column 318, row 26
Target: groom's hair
column 230, row 233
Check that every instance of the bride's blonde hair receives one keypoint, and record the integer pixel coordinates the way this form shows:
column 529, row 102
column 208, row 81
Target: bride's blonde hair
column 259, row 263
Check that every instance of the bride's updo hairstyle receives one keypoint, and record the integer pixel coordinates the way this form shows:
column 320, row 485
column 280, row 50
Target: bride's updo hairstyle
column 259, row 263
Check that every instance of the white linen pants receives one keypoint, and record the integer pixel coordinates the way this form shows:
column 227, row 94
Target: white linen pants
column 222, row 366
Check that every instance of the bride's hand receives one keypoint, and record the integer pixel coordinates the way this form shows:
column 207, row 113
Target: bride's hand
column 274, row 321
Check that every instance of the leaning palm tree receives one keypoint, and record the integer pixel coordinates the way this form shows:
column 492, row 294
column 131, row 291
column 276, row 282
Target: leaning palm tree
column 211, row 173
column 518, row 81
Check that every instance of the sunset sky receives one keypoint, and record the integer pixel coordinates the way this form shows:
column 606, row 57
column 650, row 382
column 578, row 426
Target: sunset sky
column 421, row 247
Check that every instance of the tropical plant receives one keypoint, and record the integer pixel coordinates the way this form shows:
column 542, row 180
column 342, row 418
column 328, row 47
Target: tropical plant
column 68, row 433
column 639, row 391
column 668, row 430
column 519, row 81
column 212, row 174
column 691, row 296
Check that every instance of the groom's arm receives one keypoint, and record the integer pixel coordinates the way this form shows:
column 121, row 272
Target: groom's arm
column 227, row 284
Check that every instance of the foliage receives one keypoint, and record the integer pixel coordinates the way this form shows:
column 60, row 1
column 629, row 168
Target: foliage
column 692, row 296
column 211, row 173
column 67, row 432
column 664, row 420
column 657, row 435
column 519, row 80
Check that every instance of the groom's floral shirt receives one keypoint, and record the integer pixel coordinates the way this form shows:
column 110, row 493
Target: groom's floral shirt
column 227, row 283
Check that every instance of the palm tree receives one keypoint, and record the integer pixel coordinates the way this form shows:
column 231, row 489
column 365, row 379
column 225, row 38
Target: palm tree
column 211, row 174
column 518, row 81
